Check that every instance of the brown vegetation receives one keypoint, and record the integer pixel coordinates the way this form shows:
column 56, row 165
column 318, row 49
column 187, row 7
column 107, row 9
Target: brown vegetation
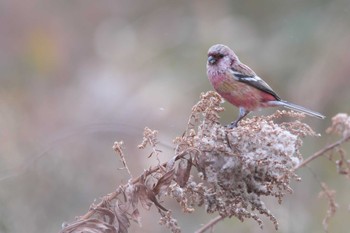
column 226, row 171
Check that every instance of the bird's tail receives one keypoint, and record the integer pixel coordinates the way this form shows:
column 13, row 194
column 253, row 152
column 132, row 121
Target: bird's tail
column 296, row 108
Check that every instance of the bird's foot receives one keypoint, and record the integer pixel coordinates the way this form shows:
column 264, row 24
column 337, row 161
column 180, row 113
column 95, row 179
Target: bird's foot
column 233, row 124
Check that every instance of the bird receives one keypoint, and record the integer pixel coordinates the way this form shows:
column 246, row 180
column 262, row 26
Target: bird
column 241, row 86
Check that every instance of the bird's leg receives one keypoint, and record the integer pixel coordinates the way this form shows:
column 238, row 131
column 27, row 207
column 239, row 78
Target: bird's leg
column 242, row 113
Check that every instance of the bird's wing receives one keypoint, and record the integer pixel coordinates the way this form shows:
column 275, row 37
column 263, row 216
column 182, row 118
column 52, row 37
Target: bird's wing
column 250, row 78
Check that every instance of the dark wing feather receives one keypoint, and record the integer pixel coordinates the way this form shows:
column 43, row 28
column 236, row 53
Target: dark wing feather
column 254, row 81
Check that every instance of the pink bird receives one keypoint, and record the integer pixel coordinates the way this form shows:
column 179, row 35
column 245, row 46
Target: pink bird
column 240, row 86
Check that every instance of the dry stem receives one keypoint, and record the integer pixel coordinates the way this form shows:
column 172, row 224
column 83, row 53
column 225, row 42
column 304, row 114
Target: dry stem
column 210, row 224
column 322, row 152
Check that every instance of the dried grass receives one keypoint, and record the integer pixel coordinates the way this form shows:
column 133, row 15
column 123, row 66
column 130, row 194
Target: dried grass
column 226, row 171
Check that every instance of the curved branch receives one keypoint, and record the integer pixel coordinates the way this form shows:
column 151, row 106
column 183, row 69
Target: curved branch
column 210, row 224
column 322, row 152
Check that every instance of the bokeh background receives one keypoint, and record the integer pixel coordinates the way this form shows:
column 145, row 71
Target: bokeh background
column 75, row 76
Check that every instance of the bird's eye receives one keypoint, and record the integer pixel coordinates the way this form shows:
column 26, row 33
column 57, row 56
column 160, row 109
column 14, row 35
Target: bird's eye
column 214, row 58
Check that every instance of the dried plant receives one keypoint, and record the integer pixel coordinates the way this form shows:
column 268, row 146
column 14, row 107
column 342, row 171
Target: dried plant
column 226, row 171
column 332, row 205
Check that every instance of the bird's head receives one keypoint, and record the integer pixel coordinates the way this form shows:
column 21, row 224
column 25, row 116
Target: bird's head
column 220, row 57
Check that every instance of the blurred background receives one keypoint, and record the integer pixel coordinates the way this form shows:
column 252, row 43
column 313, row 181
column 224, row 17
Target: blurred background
column 75, row 76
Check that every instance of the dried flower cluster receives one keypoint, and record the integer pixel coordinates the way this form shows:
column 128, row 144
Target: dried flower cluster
column 239, row 166
column 225, row 170
column 341, row 126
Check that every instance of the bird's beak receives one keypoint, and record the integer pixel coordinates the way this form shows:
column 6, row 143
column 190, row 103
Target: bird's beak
column 211, row 60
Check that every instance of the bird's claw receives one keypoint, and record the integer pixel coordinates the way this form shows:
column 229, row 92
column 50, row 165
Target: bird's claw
column 233, row 124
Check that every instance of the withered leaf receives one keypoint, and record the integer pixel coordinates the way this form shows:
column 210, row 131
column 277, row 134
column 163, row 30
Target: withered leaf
column 171, row 163
column 147, row 197
column 106, row 213
column 151, row 154
column 141, row 193
column 183, row 172
column 130, row 193
column 122, row 223
column 135, row 215
column 153, row 198
column 92, row 225
column 164, row 182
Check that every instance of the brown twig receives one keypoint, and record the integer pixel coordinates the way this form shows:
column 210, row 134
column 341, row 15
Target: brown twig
column 210, row 224
column 332, row 205
column 118, row 148
column 322, row 152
